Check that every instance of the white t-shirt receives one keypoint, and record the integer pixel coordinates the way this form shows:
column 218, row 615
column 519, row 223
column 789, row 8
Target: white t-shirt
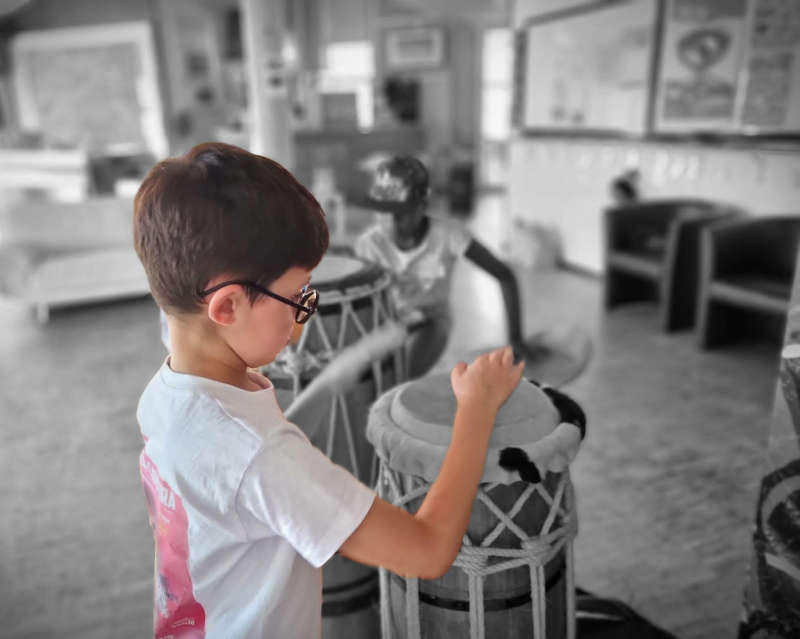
column 422, row 274
column 244, row 511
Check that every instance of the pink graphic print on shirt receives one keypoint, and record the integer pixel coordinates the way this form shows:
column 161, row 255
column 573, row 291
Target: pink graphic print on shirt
column 177, row 615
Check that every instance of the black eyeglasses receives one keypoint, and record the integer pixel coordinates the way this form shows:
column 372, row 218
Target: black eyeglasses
column 308, row 298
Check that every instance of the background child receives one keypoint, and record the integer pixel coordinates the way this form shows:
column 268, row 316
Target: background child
column 420, row 250
column 244, row 510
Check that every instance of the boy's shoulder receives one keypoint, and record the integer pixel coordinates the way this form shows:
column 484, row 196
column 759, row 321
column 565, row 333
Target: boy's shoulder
column 191, row 411
column 208, row 435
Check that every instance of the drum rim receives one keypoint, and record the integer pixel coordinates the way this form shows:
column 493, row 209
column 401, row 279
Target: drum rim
column 367, row 280
column 405, row 453
column 517, row 431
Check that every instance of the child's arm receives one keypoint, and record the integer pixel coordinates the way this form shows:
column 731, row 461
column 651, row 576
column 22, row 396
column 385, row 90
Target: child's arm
column 426, row 543
column 482, row 257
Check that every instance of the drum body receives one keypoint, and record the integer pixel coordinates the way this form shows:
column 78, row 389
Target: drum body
column 513, row 575
column 352, row 304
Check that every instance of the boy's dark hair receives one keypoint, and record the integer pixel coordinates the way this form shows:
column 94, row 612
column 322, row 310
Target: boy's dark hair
column 220, row 209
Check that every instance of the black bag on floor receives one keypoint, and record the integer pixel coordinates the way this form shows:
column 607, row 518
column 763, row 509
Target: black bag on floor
column 599, row 618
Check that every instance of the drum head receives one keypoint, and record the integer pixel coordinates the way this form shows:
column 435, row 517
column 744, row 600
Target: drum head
column 342, row 273
column 425, row 409
column 410, row 426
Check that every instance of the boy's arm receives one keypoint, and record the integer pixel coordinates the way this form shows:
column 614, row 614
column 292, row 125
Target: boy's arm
column 426, row 543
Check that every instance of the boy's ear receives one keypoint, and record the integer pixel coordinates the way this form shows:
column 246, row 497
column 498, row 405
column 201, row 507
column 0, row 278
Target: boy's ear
column 224, row 304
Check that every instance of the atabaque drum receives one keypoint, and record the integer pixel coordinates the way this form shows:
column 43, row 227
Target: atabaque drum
column 352, row 304
column 513, row 576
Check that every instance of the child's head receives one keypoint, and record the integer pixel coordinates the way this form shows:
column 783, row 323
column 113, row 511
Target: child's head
column 221, row 213
column 399, row 184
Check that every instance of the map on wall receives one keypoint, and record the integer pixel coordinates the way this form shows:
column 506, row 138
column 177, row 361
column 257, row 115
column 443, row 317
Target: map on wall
column 93, row 88
column 65, row 88
column 588, row 69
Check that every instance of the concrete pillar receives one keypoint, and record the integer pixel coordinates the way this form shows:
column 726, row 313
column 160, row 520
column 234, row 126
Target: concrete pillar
column 263, row 26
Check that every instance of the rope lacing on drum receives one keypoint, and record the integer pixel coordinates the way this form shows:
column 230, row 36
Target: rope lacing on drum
column 478, row 560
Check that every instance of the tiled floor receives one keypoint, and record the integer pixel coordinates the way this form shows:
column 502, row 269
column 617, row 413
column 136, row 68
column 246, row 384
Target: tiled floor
column 665, row 481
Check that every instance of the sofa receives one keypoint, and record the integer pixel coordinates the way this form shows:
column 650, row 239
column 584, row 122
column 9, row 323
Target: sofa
column 65, row 253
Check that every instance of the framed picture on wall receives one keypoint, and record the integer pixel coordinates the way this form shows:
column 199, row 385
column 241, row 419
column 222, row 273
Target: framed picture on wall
column 729, row 68
column 586, row 69
column 699, row 77
column 90, row 87
column 414, row 48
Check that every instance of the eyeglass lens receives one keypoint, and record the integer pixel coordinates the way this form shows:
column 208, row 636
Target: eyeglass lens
column 310, row 301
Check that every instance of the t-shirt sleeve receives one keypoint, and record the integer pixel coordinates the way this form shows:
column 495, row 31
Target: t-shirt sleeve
column 292, row 489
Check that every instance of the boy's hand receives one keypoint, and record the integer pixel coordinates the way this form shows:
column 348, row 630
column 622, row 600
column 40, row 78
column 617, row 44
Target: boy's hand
column 488, row 381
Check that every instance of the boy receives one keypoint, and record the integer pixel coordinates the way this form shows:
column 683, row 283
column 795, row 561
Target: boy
column 420, row 250
column 244, row 510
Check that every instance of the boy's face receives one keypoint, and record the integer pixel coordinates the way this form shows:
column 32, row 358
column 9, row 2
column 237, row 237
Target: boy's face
column 269, row 324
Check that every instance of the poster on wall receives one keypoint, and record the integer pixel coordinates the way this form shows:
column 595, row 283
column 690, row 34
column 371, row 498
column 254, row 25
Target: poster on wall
column 701, row 54
column 586, row 69
column 771, row 99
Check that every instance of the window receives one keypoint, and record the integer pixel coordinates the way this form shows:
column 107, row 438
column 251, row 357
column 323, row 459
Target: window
column 496, row 73
column 496, row 90
column 349, row 67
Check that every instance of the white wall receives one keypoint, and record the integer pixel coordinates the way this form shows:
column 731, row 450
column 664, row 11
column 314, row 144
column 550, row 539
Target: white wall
column 563, row 182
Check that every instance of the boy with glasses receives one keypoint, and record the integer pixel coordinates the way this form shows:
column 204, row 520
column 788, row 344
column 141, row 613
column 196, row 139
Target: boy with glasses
column 244, row 510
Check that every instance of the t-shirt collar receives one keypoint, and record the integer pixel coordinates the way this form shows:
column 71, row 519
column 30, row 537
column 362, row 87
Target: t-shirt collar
column 215, row 388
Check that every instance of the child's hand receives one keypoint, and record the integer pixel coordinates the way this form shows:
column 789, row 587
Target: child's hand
column 488, row 381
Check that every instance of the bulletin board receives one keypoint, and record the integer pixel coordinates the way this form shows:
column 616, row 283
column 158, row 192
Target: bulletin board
column 587, row 69
column 717, row 70
column 93, row 87
column 731, row 67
